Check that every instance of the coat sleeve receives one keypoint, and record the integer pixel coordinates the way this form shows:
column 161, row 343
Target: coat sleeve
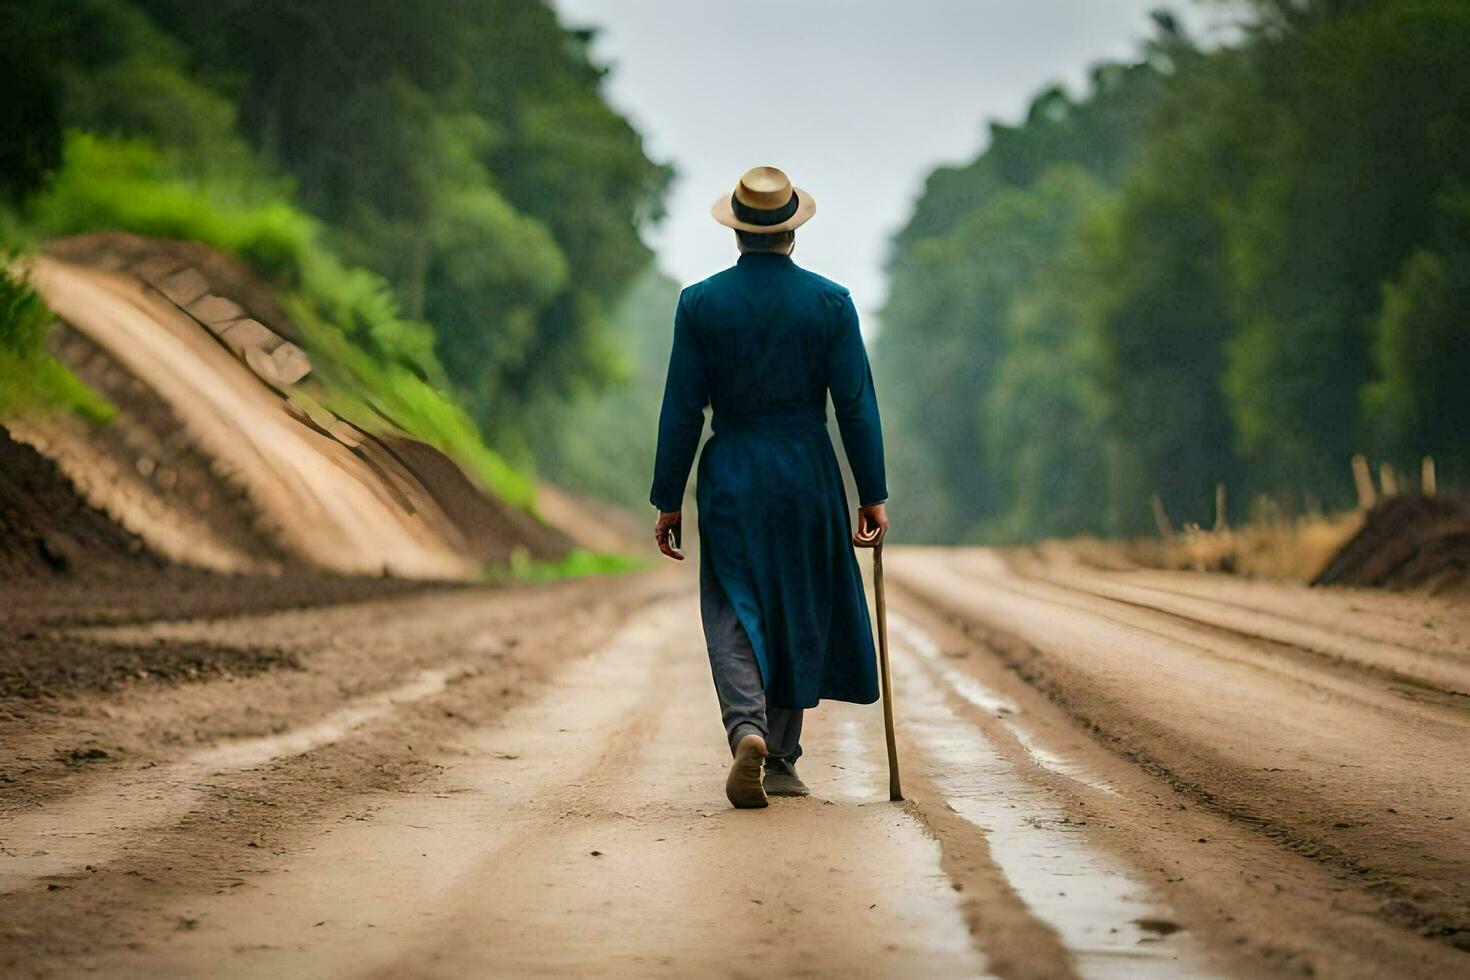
column 850, row 380
column 681, row 421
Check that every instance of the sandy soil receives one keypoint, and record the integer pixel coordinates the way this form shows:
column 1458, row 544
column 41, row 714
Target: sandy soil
column 325, row 503
column 1120, row 774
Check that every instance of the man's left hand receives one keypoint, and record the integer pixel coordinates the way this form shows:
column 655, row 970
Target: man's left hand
column 872, row 525
column 666, row 533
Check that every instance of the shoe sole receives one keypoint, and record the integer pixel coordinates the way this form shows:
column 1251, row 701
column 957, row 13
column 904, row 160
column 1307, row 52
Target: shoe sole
column 799, row 790
column 743, row 786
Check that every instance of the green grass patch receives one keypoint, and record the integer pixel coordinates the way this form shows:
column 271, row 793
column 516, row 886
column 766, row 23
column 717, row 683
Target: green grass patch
column 523, row 568
column 370, row 391
column 108, row 182
column 31, row 379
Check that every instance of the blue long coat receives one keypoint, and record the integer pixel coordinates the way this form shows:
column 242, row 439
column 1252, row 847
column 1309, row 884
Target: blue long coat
column 762, row 344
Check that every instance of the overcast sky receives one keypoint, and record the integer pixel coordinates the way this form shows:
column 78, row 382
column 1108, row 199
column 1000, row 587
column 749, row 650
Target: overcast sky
column 857, row 100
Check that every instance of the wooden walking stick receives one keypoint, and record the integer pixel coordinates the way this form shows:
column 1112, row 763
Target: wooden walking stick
column 895, row 791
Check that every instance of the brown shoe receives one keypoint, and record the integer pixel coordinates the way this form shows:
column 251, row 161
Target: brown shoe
column 743, row 787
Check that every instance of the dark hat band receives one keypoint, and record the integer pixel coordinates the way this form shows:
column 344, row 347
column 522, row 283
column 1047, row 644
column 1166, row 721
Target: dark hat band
column 764, row 216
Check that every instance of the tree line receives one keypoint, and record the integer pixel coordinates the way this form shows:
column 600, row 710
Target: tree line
column 444, row 184
column 1234, row 265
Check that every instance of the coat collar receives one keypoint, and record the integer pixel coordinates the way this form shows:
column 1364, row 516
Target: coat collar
column 764, row 259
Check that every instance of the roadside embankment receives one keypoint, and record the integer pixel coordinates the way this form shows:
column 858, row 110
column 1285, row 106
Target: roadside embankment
column 1406, row 543
column 223, row 454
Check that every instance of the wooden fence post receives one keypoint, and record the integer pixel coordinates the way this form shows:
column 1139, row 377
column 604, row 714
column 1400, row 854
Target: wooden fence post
column 1161, row 517
column 1388, row 480
column 1363, row 480
column 1428, row 483
column 1222, row 521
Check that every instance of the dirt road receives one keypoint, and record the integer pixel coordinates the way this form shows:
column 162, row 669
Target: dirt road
column 1111, row 774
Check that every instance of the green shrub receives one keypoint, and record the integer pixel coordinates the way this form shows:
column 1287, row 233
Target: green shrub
column 29, row 377
column 108, row 182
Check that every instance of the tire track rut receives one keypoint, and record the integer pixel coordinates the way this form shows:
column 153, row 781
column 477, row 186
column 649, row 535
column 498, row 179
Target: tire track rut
column 1328, row 763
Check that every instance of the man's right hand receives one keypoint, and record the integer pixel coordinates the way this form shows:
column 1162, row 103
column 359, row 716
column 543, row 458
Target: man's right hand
column 872, row 524
column 664, row 531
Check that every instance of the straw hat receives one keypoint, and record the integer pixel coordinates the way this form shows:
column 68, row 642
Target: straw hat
column 765, row 201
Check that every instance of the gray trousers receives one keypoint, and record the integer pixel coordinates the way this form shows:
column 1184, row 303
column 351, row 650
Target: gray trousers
column 738, row 677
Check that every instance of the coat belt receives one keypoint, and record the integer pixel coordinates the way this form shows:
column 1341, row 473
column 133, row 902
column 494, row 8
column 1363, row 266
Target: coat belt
column 780, row 421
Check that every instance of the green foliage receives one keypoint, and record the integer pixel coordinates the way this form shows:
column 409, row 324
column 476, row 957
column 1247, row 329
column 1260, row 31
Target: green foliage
column 378, row 368
column 985, row 376
column 29, row 378
column 602, row 442
column 372, row 392
column 1420, row 401
column 1040, row 411
column 441, row 190
column 104, row 67
column 523, row 568
column 127, row 183
column 1343, row 136
column 1159, row 322
column 465, row 152
column 1271, row 272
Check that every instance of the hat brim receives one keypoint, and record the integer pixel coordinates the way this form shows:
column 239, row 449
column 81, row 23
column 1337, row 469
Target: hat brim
column 806, row 206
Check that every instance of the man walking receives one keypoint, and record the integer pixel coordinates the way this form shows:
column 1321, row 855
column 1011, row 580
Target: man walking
column 785, row 620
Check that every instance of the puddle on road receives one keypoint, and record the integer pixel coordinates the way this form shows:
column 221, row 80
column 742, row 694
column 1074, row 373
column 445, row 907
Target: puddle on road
column 909, row 635
column 1086, row 895
column 912, row 637
column 853, row 775
column 67, row 835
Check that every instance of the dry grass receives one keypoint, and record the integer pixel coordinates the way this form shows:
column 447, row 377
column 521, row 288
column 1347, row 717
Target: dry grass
column 1289, row 550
